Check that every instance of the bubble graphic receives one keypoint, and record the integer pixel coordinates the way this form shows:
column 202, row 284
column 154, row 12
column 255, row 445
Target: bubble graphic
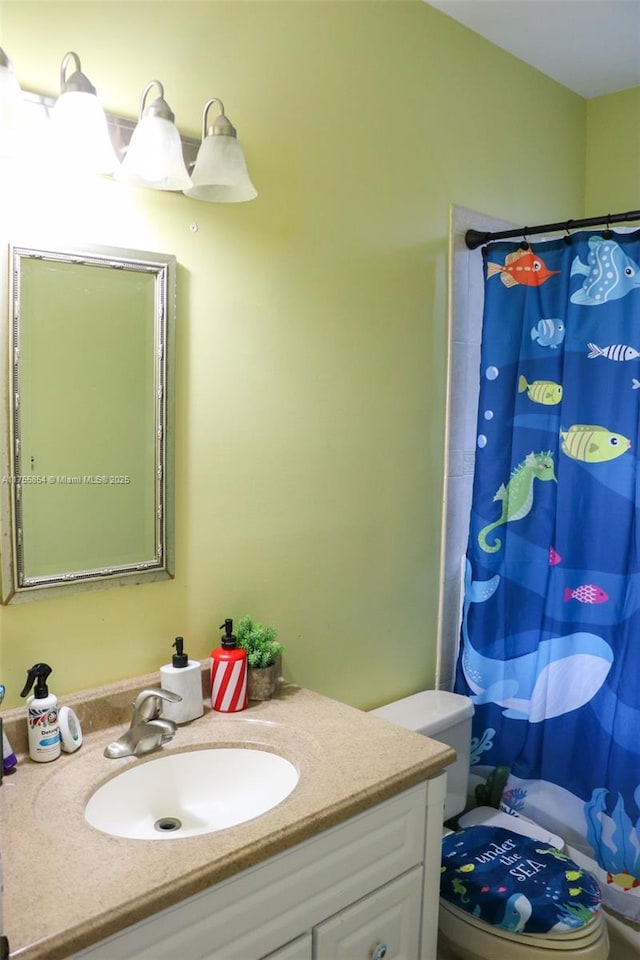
column 492, row 373
column 488, row 414
column 482, row 441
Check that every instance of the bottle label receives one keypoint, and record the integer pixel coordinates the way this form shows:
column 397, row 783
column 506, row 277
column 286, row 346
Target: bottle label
column 50, row 741
column 43, row 724
column 229, row 686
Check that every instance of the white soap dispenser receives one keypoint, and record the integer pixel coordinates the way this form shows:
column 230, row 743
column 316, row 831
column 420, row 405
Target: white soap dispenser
column 182, row 676
column 42, row 720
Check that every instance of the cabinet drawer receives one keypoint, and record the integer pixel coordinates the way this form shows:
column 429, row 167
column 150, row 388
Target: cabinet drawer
column 300, row 949
column 383, row 926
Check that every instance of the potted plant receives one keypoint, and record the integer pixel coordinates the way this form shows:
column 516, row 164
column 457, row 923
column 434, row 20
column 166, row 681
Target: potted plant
column 263, row 656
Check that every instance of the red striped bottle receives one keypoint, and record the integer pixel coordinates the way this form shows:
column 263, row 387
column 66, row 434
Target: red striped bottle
column 228, row 674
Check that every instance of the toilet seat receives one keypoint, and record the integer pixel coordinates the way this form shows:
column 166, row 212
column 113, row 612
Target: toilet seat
column 516, row 882
column 463, row 936
column 469, row 937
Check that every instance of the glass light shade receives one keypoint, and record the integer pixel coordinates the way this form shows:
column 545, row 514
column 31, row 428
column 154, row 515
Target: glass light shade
column 154, row 158
column 220, row 174
column 79, row 134
column 12, row 124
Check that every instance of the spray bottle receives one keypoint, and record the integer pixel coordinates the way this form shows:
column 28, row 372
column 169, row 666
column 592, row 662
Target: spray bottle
column 42, row 720
column 228, row 674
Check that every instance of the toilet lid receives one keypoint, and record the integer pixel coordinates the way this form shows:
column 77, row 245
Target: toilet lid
column 515, row 882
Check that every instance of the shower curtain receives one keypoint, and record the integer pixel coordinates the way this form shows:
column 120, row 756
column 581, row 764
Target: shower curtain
column 550, row 637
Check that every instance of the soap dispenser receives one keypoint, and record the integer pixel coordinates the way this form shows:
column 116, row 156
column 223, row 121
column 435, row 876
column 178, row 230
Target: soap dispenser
column 228, row 673
column 42, row 719
column 182, row 676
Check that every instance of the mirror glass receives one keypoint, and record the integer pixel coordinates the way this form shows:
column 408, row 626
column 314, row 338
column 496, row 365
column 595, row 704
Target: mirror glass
column 88, row 471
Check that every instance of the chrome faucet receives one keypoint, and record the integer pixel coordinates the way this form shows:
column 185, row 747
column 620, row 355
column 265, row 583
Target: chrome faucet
column 148, row 730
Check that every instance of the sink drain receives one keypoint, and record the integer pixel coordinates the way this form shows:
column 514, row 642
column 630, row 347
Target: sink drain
column 167, row 824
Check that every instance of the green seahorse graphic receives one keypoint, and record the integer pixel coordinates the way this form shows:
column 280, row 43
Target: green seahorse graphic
column 517, row 496
column 460, row 890
column 559, row 855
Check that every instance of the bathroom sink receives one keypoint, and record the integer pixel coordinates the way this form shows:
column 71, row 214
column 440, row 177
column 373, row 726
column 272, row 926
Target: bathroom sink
column 190, row 793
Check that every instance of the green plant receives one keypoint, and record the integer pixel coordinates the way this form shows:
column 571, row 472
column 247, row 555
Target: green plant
column 259, row 642
column 489, row 793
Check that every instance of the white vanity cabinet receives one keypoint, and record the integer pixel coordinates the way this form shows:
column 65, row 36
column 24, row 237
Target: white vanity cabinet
column 366, row 889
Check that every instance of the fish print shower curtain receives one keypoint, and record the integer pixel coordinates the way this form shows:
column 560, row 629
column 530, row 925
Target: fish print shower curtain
column 550, row 639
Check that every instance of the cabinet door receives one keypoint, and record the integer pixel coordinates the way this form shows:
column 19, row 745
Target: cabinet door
column 300, row 949
column 382, row 926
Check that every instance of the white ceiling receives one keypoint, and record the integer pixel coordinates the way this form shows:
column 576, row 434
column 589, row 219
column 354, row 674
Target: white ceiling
column 590, row 46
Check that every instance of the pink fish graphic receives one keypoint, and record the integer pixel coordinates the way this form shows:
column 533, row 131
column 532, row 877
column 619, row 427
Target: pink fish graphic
column 587, row 593
column 554, row 557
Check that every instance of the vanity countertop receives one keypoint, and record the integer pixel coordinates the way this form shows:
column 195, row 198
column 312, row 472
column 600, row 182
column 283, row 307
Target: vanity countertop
column 67, row 886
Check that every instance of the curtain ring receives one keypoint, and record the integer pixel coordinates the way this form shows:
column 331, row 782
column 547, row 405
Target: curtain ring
column 525, row 243
column 608, row 233
column 568, row 238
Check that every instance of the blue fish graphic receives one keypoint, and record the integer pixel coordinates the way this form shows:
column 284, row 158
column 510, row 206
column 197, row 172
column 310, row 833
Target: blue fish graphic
column 549, row 333
column 609, row 274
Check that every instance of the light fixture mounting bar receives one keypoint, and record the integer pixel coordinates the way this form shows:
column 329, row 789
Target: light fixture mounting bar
column 120, row 128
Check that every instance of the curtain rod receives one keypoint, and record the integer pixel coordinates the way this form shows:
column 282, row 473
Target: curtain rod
column 475, row 238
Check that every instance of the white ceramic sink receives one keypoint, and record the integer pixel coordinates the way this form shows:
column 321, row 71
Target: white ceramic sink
column 190, row 793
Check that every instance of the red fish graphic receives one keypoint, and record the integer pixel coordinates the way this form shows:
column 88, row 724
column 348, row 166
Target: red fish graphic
column 521, row 266
column 554, row 557
column 587, row 593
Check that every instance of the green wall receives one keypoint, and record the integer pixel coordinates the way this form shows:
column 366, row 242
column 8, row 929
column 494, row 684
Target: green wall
column 311, row 335
column 613, row 153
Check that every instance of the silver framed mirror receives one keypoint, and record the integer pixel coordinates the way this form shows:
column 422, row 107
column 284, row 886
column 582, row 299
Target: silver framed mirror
column 86, row 492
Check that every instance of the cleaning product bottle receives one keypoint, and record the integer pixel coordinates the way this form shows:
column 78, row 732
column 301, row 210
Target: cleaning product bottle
column 182, row 676
column 7, row 756
column 44, row 732
column 9, row 759
column 228, row 674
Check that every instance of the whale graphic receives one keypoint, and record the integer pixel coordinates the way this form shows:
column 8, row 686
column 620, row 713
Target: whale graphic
column 561, row 675
column 516, row 913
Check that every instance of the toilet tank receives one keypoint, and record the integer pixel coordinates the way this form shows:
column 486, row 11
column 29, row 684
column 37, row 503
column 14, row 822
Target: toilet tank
column 445, row 717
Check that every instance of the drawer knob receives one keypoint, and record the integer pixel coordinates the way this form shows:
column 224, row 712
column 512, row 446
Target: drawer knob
column 379, row 952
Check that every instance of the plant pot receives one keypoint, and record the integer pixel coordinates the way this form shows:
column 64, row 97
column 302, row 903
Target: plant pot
column 261, row 682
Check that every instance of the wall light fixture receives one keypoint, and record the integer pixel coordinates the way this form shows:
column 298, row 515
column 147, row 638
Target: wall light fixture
column 86, row 140
column 220, row 174
column 154, row 158
column 78, row 128
column 11, row 109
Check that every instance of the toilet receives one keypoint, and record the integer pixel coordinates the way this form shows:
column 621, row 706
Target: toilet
column 508, row 891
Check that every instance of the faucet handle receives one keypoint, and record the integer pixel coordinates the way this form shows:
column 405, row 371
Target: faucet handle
column 167, row 727
column 147, row 705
